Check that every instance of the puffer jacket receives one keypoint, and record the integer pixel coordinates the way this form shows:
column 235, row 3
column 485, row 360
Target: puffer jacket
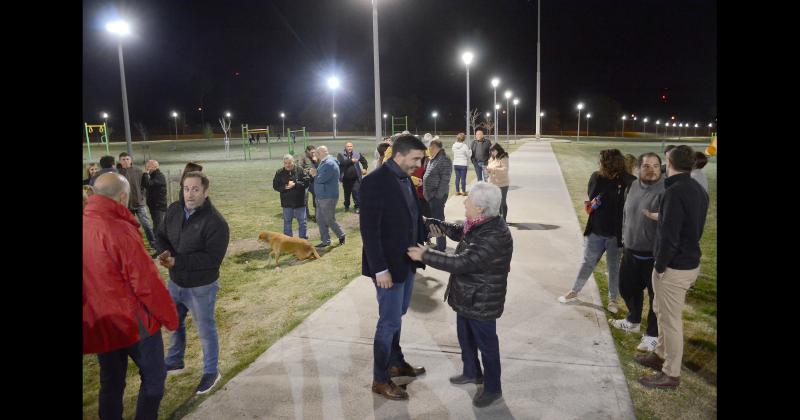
column 461, row 154
column 124, row 296
column 479, row 268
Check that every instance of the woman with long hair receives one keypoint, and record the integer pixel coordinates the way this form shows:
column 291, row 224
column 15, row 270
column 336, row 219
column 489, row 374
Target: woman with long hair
column 498, row 173
column 461, row 157
column 604, row 229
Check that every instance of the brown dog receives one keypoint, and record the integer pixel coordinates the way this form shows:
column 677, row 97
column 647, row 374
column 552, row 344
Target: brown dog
column 281, row 244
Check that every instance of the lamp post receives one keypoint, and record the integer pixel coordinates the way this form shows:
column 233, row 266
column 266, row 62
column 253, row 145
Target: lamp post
column 175, row 117
column 508, row 114
column 283, row 125
column 515, row 102
column 333, row 84
column 122, row 29
column 578, row 138
column 644, row 125
column 435, row 114
column 384, row 124
column 623, row 125
column 709, row 128
column 377, row 73
column 538, row 68
column 467, row 58
column 495, row 84
column 588, row 116
column 541, row 115
column 695, row 128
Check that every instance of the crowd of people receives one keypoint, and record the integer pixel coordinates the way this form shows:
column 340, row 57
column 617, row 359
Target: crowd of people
column 648, row 227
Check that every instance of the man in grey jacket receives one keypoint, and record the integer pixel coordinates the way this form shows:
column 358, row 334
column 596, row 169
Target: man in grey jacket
column 139, row 181
column 436, row 184
column 638, row 240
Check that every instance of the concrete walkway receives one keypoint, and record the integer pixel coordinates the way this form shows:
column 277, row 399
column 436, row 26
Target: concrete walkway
column 558, row 361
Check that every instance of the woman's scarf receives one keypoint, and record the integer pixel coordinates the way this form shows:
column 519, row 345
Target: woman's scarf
column 469, row 224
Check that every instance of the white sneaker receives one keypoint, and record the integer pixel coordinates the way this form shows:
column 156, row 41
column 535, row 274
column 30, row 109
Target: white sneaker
column 648, row 343
column 624, row 325
column 612, row 307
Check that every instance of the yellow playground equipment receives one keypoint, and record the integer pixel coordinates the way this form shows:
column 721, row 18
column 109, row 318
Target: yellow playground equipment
column 711, row 150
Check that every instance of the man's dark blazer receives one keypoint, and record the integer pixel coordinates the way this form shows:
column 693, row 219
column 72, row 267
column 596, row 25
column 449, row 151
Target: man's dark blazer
column 386, row 226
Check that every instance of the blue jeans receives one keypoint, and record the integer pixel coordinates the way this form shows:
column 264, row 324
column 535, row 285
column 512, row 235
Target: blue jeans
column 480, row 170
column 148, row 354
column 594, row 248
column 437, row 212
column 392, row 305
column 200, row 301
column 474, row 335
column 299, row 214
column 147, row 226
column 461, row 178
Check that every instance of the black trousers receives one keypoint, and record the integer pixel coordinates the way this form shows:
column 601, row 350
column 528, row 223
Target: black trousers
column 503, row 205
column 158, row 217
column 635, row 275
column 351, row 186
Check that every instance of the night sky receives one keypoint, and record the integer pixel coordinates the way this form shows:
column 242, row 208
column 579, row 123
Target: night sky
column 614, row 55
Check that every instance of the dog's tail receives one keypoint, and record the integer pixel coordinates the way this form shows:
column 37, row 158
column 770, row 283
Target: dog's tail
column 316, row 255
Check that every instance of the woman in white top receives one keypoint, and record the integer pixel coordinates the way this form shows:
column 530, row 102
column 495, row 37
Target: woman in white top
column 461, row 155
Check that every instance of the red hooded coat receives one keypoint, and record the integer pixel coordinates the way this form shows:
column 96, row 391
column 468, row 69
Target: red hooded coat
column 122, row 288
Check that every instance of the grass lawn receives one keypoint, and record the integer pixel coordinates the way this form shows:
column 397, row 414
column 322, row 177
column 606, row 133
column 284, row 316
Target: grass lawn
column 256, row 305
column 697, row 395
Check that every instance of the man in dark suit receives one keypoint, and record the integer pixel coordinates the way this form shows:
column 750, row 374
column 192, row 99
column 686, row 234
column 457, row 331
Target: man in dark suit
column 391, row 221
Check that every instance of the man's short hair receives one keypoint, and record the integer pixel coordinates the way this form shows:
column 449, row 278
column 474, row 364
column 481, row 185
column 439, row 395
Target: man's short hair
column 123, row 154
column 649, row 154
column 668, row 148
column 197, row 174
column 107, row 162
column 310, row 147
column 682, row 158
column 481, row 130
column 191, row 167
column 288, row 157
column 405, row 144
column 700, row 160
column 487, row 196
column 437, row 143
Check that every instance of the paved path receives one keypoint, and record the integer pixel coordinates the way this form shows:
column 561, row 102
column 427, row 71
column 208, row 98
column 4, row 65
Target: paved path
column 558, row 361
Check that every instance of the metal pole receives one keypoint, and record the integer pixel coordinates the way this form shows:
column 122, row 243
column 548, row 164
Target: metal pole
column 434, row 126
column 508, row 115
column 538, row 68
column 333, row 112
column 515, row 122
column 377, row 74
column 469, row 142
column 587, row 127
column 125, row 101
column 176, row 127
column 283, row 128
column 623, row 128
column 495, row 115
column 579, row 126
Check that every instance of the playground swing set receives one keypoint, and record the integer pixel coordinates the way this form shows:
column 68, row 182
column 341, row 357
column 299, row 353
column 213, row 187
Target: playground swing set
column 291, row 138
column 102, row 129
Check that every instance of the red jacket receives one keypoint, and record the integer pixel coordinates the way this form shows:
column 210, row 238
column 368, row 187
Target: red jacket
column 121, row 284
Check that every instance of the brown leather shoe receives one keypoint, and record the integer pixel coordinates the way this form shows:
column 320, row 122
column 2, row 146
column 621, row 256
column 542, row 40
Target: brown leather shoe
column 406, row 370
column 660, row 380
column 389, row 390
column 650, row 360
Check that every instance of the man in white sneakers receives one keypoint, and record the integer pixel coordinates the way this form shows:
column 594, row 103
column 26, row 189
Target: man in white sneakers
column 638, row 240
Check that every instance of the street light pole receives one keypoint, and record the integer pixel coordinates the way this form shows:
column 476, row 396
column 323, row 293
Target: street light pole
column 435, row 114
column 384, row 124
column 588, row 116
column 539, row 114
column 377, row 73
column 495, row 83
column 644, row 125
column 623, row 125
column 283, row 125
column 515, row 102
column 121, row 28
column 175, row 117
column 467, row 58
column 578, row 138
column 508, row 113
column 333, row 84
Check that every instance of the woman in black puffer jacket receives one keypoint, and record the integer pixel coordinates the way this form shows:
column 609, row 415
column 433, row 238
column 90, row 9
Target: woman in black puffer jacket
column 477, row 287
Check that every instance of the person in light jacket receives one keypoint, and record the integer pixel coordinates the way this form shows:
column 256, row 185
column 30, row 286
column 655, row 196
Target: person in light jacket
column 461, row 157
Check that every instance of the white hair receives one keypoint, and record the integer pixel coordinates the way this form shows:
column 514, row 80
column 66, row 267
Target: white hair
column 323, row 148
column 486, row 196
column 288, row 157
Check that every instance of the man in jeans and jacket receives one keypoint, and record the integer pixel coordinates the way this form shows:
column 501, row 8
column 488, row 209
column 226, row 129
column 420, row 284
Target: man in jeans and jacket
column 193, row 241
column 139, row 181
column 681, row 219
column 436, row 185
column 638, row 240
column 291, row 182
column 125, row 302
column 480, row 152
column 326, row 185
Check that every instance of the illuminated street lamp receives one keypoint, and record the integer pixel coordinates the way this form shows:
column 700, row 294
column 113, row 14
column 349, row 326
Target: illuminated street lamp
column 283, row 125
column 623, row 125
column 508, row 114
column 515, row 102
column 333, row 84
column 495, row 83
column 588, row 116
column 175, row 117
column 578, row 137
column 434, row 115
column 122, row 29
column 384, row 124
column 644, row 125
